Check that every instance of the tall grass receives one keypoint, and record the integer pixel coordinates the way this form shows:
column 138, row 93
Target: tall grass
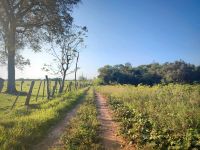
column 21, row 129
column 6, row 100
column 163, row 117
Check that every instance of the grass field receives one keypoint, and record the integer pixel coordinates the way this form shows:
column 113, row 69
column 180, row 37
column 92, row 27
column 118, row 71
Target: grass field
column 6, row 100
column 152, row 117
column 158, row 117
column 21, row 128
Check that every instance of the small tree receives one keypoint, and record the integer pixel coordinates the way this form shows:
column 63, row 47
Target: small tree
column 64, row 49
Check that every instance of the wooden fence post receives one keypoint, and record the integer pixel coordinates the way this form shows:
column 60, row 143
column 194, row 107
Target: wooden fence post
column 48, row 90
column 70, row 86
column 43, row 90
column 59, row 81
column 38, row 90
column 1, row 84
column 29, row 94
column 22, row 82
column 77, row 85
column 66, row 88
column 50, row 85
column 54, row 88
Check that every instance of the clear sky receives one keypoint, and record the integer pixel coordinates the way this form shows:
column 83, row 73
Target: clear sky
column 135, row 31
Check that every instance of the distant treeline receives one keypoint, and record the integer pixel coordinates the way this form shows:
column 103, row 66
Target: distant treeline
column 175, row 72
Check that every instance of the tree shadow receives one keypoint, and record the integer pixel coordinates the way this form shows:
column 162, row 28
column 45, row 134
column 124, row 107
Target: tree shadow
column 34, row 106
column 20, row 93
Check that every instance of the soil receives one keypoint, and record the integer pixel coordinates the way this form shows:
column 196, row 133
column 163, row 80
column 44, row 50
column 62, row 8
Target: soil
column 53, row 138
column 109, row 128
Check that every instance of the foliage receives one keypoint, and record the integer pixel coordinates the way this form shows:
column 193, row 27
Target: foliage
column 82, row 132
column 32, row 20
column 97, row 81
column 176, row 72
column 157, row 117
column 30, row 23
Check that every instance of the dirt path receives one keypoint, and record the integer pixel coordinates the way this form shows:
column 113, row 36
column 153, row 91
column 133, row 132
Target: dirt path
column 109, row 128
column 53, row 138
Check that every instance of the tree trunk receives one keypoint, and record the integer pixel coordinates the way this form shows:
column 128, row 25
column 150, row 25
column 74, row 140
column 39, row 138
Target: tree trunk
column 76, row 71
column 63, row 82
column 11, row 58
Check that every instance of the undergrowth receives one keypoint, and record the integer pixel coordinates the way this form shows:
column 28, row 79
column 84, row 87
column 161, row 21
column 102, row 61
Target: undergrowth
column 82, row 132
column 158, row 117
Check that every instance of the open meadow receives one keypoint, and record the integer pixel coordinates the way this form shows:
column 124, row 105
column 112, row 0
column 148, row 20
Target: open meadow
column 157, row 117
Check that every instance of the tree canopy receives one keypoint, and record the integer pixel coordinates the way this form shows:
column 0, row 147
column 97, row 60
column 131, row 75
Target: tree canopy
column 175, row 72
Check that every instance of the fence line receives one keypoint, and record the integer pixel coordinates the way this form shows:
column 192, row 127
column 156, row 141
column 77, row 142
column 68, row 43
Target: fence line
column 51, row 92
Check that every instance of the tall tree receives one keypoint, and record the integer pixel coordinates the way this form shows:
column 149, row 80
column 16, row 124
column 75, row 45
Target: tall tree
column 28, row 23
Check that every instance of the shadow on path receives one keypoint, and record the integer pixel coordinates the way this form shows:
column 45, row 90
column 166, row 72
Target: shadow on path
column 53, row 138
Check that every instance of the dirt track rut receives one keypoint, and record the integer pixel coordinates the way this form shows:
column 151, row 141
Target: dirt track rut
column 108, row 128
column 53, row 138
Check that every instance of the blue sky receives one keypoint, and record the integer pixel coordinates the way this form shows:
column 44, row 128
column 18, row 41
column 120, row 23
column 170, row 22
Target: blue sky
column 139, row 31
column 135, row 31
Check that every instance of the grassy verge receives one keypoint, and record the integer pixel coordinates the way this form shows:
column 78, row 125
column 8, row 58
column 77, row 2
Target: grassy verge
column 21, row 129
column 158, row 117
column 7, row 100
column 82, row 132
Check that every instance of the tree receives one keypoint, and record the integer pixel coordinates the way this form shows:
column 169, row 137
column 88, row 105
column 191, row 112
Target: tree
column 105, row 73
column 20, row 61
column 29, row 22
column 76, row 69
column 64, row 49
column 179, row 71
column 175, row 72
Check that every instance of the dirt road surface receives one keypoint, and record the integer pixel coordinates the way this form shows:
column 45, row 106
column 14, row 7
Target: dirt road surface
column 109, row 128
column 53, row 138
